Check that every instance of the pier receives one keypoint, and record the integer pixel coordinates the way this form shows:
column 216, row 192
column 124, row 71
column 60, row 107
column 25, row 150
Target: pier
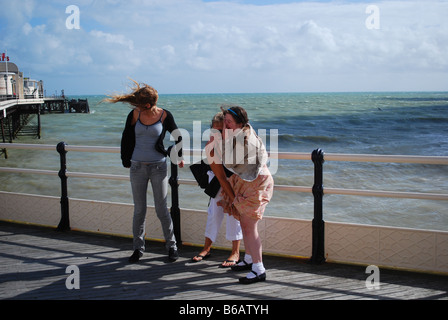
column 15, row 115
column 34, row 261
column 22, row 97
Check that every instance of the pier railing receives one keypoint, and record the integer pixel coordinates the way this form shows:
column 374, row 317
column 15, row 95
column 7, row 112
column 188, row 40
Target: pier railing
column 318, row 157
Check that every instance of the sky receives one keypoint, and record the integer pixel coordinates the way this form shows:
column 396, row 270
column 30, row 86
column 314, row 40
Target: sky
column 233, row 46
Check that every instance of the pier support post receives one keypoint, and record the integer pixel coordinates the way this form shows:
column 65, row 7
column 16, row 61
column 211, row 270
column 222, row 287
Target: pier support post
column 64, row 224
column 318, row 245
column 175, row 211
column 38, row 121
column 4, row 151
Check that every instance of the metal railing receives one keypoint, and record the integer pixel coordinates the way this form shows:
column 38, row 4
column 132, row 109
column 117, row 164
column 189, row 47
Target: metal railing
column 318, row 157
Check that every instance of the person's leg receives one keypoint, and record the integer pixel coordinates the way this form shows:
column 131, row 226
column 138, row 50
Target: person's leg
column 139, row 185
column 234, row 234
column 159, row 183
column 234, row 257
column 252, row 239
column 252, row 242
column 233, row 229
column 205, row 251
column 214, row 219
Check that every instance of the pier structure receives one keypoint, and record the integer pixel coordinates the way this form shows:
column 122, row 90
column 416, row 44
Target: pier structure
column 22, row 97
column 35, row 259
column 16, row 115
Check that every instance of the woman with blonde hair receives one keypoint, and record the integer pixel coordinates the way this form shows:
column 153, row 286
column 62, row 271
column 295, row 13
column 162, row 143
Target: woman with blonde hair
column 143, row 151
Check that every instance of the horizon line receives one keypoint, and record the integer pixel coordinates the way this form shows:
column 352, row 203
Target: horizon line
column 285, row 92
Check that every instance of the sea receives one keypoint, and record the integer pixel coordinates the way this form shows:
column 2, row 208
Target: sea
column 385, row 123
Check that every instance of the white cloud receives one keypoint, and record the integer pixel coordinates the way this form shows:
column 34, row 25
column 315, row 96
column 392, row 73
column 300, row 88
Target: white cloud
column 191, row 46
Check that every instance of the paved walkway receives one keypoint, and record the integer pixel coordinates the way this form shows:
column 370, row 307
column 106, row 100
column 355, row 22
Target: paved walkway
column 34, row 261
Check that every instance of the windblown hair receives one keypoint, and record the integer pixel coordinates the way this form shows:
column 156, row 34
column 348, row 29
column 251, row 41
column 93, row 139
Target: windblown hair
column 141, row 94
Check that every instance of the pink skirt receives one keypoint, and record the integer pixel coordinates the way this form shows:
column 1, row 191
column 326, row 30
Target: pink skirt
column 251, row 197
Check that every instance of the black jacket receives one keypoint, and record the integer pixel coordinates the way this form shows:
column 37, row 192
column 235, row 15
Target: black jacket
column 199, row 171
column 128, row 139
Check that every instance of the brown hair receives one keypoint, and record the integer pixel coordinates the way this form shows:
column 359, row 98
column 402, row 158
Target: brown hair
column 142, row 94
column 238, row 114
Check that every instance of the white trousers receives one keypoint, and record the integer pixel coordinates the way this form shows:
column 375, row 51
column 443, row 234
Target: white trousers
column 215, row 217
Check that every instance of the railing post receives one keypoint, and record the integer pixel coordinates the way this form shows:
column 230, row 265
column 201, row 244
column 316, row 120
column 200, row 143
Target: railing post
column 175, row 211
column 318, row 249
column 38, row 122
column 64, row 224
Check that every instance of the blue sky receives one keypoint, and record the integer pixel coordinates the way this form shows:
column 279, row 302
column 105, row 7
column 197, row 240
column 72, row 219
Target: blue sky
column 196, row 46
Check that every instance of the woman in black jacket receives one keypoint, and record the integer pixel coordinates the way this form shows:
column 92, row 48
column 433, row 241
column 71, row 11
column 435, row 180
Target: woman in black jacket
column 142, row 151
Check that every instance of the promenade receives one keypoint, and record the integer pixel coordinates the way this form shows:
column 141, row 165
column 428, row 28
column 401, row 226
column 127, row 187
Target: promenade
column 34, row 261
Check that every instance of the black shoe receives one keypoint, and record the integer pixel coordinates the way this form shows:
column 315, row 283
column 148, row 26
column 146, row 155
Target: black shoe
column 258, row 278
column 173, row 255
column 245, row 266
column 135, row 256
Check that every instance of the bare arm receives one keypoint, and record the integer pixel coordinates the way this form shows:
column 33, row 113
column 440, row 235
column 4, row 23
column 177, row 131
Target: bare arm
column 220, row 174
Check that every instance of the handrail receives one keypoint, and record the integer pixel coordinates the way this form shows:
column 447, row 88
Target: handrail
column 125, row 177
column 433, row 160
column 386, row 158
column 301, row 189
column 411, row 159
column 387, row 194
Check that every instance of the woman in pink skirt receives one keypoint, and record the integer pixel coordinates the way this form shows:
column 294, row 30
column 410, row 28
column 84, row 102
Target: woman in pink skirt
column 244, row 154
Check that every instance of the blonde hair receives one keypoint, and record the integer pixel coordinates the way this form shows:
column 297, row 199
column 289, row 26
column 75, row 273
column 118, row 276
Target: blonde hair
column 141, row 94
column 217, row 118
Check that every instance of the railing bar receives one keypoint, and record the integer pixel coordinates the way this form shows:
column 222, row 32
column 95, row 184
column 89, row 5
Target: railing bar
column 387, row 194
column 293, row 188
column 279, row 155
column 96, row 176
column 386, row 158
column 93, row 149
column 27, row 146
column 188, row 182
column 22, row 170
column 338, row 191
column 293, row 155
column 303, row 189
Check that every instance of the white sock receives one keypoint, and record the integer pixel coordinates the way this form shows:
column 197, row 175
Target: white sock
column 247, row 259
column 258, row 268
